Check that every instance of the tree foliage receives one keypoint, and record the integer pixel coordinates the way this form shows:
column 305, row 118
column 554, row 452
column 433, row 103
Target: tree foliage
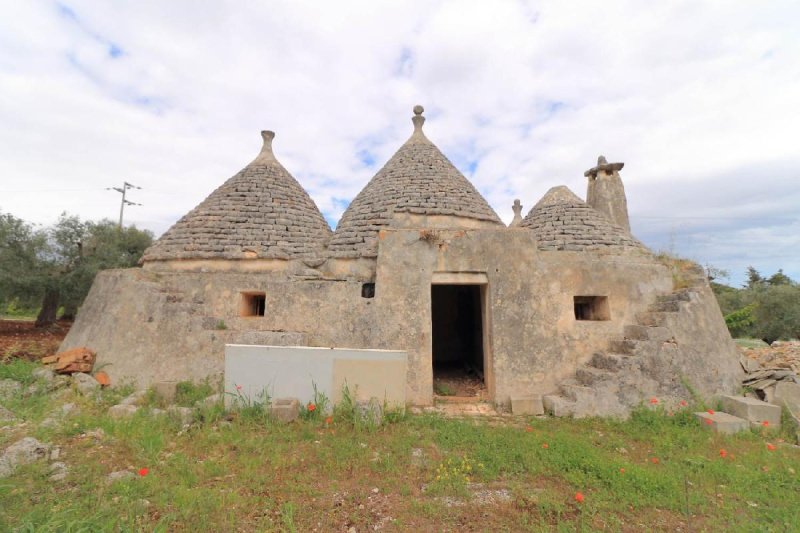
column 766, row 308
column 49, row 268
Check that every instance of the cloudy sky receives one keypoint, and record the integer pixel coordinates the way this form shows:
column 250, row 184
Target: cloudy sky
column 701, row 100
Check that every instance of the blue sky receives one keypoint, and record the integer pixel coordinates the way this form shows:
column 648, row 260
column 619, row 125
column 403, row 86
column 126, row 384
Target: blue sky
column 699, row 99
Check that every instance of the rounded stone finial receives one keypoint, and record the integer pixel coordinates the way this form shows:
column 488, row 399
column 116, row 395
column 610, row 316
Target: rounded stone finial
column 602, row 160
column 266, row 150
column 418, row 109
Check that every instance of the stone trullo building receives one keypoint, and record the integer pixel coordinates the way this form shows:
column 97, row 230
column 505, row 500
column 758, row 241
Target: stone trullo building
column 565, row 303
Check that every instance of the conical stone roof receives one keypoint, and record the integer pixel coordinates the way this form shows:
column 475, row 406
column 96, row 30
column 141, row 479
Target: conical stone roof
column 261, row 212
column 562, row 221
column 419, row 180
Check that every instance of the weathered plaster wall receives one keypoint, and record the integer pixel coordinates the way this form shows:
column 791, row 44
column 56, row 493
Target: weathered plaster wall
column 534, row 338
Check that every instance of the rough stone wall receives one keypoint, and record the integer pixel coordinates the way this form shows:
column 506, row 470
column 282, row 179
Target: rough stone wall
column 151, row 326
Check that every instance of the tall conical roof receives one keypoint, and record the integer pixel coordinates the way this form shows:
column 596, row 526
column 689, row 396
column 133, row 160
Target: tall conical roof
column 419, row 180
column 562, row 221
column 261, row 212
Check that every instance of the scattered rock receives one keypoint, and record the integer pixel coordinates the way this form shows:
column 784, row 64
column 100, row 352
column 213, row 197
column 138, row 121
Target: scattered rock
column 97, row 434
column 85, row 383
column 9, row 388
column 184, row 414
column 135, row 398
column 155, row 411
column 69, row 409
column 22, row 452
column 121, row 411
column 55, row 453
column 58, row 471
column 44, row 374
column 120, row 475
column 6, row 415
column 59, row 382
column 74, row 360
column 211, row 401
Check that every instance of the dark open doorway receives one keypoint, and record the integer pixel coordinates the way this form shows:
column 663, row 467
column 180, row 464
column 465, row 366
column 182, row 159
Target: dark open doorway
column 457, row 326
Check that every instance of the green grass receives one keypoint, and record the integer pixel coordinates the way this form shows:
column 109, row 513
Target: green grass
column 242, row 471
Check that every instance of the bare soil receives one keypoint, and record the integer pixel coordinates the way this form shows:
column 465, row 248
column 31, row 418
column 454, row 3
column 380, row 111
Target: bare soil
column 20, row 339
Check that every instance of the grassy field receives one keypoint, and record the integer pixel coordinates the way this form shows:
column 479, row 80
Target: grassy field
column 658, row 471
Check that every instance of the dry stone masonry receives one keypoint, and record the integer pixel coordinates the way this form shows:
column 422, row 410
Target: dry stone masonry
column 565, row 309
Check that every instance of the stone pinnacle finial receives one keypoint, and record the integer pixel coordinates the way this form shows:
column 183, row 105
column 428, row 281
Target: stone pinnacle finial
column 266, row 150
column 517, row 208
column 603, row 166
column 418, row 119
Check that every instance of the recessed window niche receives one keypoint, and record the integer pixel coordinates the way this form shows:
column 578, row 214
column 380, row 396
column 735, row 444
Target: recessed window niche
column 252, row 304
column 591, row 308
column 368, row 290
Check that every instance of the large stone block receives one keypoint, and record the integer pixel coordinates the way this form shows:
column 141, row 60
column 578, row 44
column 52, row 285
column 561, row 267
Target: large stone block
column 558, row 405
column 722, row 422
column 285, row 409
column 788, row 394
column 752, row 410
column 530, row 405
column 166, row 390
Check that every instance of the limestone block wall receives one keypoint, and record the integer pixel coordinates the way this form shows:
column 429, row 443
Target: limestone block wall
column 534, row 341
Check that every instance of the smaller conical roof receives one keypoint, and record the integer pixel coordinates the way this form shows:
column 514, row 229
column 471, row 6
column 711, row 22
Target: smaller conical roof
column 261, row 212
column 418, row 179
column 562, row 221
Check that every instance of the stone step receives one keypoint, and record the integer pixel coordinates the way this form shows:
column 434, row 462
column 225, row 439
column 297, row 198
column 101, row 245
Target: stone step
column 647, row 333
column 607, row 361
column 752, row 410
column 588, row 375
column 558, row 405
column 528, row 405
column 722, row 422
column 677, row 296
column 671, row 306
column 652, row 318
column 623, row 346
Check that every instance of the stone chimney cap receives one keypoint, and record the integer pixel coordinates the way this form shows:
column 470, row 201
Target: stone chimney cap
column 603, row 166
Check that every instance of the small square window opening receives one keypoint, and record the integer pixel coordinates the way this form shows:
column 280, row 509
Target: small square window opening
column 253, row 304
column 368, row 290
column 591, row 308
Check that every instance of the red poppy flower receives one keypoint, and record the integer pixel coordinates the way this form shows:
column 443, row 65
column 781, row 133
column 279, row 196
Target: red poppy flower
column 654, row 460
column 653, row 401
column 329, row 420
column 723, row 453
column 311, row 407
column 708, row 421
column 544, row 445
column 765, row 423
column 579, row 497
column 621, row 470
column 771, row 447
column 238, row 387
column 143, row 472
column 710, row 411
column 528, row 429
column 684, row 403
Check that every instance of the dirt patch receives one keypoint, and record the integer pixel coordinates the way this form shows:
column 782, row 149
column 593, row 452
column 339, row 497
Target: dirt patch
column 19, row 339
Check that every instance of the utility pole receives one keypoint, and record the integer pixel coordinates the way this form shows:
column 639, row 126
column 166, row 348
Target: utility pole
column 123, row 190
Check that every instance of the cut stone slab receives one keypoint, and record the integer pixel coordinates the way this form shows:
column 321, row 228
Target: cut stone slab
column 752, row 410
column 558, row 406
column 211, row 401
column 166, row 390
column 285, row 409
column 723, row 422
column 531, row 405
column 122, row 411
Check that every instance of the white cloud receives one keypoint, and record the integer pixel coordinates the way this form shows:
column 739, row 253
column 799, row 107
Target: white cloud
column 698, row 98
